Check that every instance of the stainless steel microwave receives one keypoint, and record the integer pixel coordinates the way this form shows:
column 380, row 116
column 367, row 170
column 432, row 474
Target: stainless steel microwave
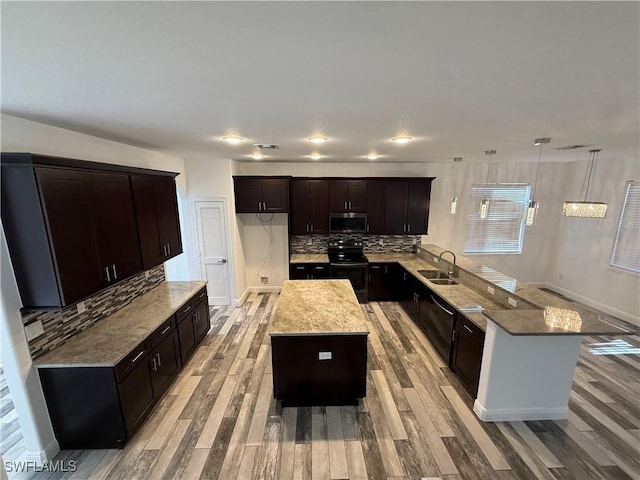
column 348, row 222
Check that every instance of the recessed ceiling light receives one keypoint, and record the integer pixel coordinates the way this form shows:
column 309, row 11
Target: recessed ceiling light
column 315, row 156
column 257, row 156
column 373, row 156
column 317, row 139
column 232, row 139
column 402, row 139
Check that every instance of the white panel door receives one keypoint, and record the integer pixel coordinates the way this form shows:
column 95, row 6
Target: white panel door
column 212, row 246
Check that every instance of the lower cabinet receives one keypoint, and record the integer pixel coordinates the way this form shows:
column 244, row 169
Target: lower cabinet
column 382, row 277
column 466, row 359
column 308, row 271
column 102, row 407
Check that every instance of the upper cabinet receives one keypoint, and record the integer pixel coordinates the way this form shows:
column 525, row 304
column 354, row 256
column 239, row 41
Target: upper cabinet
column 376, row 190
column 261, row 194
column 347, row 195
column 407, row 206
column 71, row 226
column 156, row 208
column 309, row 206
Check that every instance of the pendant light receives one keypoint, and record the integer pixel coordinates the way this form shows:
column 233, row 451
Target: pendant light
column 454, row 199
column 484, row 205
column 584, row 208
column 533, row 205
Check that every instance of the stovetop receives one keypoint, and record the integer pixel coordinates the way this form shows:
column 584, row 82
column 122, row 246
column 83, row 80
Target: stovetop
column 346, row 251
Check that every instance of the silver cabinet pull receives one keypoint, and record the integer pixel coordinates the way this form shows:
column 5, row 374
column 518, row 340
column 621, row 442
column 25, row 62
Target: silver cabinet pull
column 169, row 248
column 345, row 205
column 108, row 276
column 409, row 228
column 167, row 328
column 187, row 309
column 159, row 362
column 137, row 356
column 467, row 328
column 115, row 274
column 349, row 205
column 307, row 228
column 404, row 228
column 367, row 228
column 375, row 267
column 300, row 268
column 154, row 365
column 264, row 206
column 312, row 228
column 260, row 206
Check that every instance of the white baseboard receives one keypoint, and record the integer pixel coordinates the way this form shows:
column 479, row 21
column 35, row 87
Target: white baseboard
column 514, row 414
column 592, row 303
column 239, row 301
column 41, row 456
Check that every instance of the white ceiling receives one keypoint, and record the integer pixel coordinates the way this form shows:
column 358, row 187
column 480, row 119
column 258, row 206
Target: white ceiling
column 459, row 77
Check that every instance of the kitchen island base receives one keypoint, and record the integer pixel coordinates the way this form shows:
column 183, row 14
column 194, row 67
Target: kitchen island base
column 525, row 377
column 319, row 369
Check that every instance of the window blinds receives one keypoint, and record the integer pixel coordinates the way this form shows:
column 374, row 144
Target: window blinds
column 503, row 228
column 626, row 249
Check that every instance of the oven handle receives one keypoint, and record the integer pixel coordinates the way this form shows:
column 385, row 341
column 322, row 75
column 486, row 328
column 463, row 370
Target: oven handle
column 436, row 302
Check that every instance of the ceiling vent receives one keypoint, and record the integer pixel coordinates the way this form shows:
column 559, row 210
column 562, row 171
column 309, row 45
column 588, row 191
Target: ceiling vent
column 572, row 147
column 267, row 146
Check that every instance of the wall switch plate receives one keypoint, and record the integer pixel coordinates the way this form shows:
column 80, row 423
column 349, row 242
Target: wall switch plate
column 324, row 355
column 81, row 307
column 490, row 289
column 34, row 330
column 264, row 280
column 512, row 301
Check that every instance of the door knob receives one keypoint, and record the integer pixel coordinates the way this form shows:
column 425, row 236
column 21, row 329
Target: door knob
column 224, row 260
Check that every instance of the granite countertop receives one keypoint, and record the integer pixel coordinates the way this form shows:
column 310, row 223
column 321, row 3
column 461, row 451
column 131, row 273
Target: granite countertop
column 389, row 257
column 115, row 336
column 318, row 307
column 309, row 258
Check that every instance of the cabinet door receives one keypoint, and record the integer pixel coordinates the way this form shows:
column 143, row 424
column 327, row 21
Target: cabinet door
column 338, row 195
column 67, row 197
column 144, row 198
column 395, row 207
column 376, row 191
column 136, row 396
column 418, row 207
column 298, row 271
column 319, row 206
column 357, row 195
column 248, row 194
column 168, row 219
column 319, row 271
column 275, row 195
column 299, row 222
column 202, row 321
column 467, row 354
column 116, row 222
column 164, row 362
column 187, row 337
column 376, row 281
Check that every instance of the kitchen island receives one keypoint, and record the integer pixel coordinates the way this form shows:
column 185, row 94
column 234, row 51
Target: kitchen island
column 319, row 344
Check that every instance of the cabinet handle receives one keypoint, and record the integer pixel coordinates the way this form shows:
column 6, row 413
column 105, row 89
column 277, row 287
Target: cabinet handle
column 202, row 294
column 436, row 302
column 404, row 276
column 187, row 309
column 404, row 227
column 154, row 366
column 300, row 268
column 367, row 228
column 311, row 228
column 375, row 267
column 345, row 205
column 115, row 274
column 108, row 276
column 385, row 269
column 349, row 205
column 467, row 328
column 307, row 228
column 167, row 328
column 409, row 228
column 169, row 248
column 137, row 356
column 453, row 336
column 260, row 206
column 264, row 206
column 159, row 362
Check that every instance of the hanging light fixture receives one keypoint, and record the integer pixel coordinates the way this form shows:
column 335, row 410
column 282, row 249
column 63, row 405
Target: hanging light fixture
column 454, row 199
column 584, row 208
column 532, row 209
column 484, row 204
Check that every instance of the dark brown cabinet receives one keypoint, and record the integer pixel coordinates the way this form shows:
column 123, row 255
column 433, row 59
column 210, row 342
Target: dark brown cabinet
column 381, row 281
column 261, row 194
column 136, row 397
column 376, row 192
column 156, row 208
column 309, row 206
column 164, row 363
column 193, row 324
column 309, row 271
column 347, row 195
column 466, row 358
column 407, row 206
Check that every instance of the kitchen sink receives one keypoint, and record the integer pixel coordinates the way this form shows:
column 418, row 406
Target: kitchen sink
column 444, row 281
column 433, row 274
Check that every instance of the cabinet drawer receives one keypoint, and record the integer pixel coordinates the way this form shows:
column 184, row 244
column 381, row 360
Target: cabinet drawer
column 162, row 331
column 129, row 362
column 199, row 296
column 184, row 311
column 466, row 326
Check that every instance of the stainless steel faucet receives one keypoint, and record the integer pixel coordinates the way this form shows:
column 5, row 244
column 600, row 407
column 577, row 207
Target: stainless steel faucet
column 452, row 271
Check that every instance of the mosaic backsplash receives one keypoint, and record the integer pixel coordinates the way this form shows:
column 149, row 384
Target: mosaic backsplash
column 61, row 325
column 371, row 243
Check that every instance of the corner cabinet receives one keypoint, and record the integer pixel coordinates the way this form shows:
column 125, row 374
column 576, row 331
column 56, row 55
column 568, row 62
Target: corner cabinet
column 261, row 194
column 72, row 227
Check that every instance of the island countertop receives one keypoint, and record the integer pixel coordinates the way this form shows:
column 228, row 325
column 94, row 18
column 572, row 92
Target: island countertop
column 107, row 342
column 318, row 307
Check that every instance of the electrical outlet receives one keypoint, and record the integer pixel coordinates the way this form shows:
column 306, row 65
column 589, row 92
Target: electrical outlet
column 34, row 330
column 512, row 301
column 81, row 307
column 324, row 355
column 490, row 289
column 264, row 280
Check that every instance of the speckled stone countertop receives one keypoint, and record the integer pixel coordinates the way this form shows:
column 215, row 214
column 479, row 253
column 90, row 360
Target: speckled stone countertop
column 115, row 336
column 318, row 307
column 389, row 257
column 309, row 258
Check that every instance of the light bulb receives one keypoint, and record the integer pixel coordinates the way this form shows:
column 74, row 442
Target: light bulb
column 317, row 139
column 401, row 139
column 232, row 139
column 315, row 156
column 454, row 202
column 484, row 208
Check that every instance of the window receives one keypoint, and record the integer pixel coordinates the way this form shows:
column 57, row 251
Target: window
column 626, row 249
column 503, row 228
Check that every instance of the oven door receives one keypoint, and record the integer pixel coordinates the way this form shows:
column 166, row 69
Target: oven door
column 357, row 273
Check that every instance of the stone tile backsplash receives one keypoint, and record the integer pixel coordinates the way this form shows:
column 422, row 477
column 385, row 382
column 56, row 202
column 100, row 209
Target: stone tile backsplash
column 61, row 325
column 371, row 243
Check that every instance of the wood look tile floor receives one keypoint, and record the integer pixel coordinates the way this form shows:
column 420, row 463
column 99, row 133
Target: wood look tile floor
column 219, row 419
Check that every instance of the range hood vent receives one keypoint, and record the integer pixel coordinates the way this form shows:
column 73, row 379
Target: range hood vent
column 267, row 146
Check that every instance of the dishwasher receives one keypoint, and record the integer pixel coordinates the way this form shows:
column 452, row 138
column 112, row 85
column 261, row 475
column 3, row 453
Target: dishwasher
column 437, row 320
